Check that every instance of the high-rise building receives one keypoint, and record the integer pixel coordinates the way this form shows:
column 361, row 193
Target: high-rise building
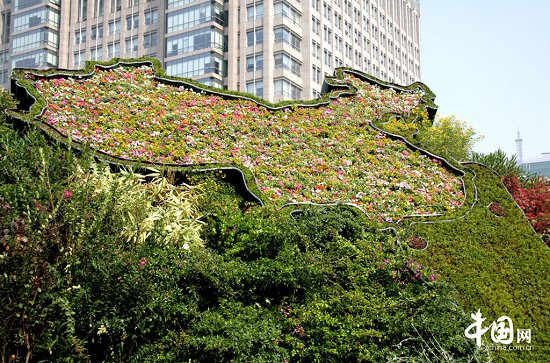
column 276, row 49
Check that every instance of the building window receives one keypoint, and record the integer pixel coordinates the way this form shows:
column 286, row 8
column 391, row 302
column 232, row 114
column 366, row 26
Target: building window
column 96, row 53
column 255, row 11
column 283, row 87
column 82, row 10
column 132, row 44
column 328, row 58
column 79, row 58
column 315, row 24
column 150, row 40
column 114, row 49
column 114, row 26
column 176, row 3
column 316, row 49
column 283, row 34
column 38, row 58
column 4, row 57
column 132, row 22
column 115, row 5
column 98, row 8
column 254, row 62
column 197, row 65
column 80, row 36
column 36, row 38
column 97, row 32
column 151, row 16
column 284, row 9
column 254, row 36
column 316, row 74
column 195, row 15
column 284, row 60
column 255, row 88
column 326, row 11
column 327, row 34
column 195, row 40
column 6, row 22
column 34, row 18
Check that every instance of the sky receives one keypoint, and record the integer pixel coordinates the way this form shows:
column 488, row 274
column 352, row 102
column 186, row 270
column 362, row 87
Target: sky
column 488, row 62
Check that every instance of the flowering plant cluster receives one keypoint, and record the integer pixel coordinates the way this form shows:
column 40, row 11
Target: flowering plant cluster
column 324, row 154
column 534, row 200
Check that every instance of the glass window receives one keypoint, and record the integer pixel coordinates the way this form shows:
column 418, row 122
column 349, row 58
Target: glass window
column 255, row 88
column 115, row 5
column 132, row 22
column 150, row 40
column 99, row 5
column 195, row 40
column 114, row 26
column 34, row 18
column 79, row 58
column 283, row 87
column 176, row 3
column 284, row 60
column 283, row 34
column 284, row 9
column 97, row 53
column 255, row 11
column 254, row 62
column 197, row 65
column 195, row 15
column 80, row 36
column 132, row 44
column 6, row 20
column 39, row 58
column 151, row 16
column 82, row 9
column 22, row 4
column 114, row 50
column 97, row 31
column 36, row 38
column 255, row 36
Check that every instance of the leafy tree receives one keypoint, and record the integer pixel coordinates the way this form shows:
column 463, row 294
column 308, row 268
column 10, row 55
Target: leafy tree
column 448, row 137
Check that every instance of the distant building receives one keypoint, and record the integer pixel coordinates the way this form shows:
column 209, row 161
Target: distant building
column 276, row 49
column 539, row 166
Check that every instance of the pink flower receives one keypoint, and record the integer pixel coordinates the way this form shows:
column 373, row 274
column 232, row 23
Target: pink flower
column 67, row 194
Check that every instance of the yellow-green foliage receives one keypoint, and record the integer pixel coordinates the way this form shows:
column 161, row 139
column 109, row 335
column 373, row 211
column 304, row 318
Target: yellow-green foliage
column 448, row 137
column 498, row 264
column 154, row 209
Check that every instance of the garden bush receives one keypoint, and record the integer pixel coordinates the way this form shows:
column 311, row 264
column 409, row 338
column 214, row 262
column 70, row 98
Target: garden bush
column 115, row 263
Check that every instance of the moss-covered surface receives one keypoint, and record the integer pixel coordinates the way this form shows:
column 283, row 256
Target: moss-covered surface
column 497, row 264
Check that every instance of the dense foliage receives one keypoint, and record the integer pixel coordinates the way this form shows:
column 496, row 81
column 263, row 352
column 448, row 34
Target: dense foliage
column 103, row 266
column 90, row 272
column 501, row 163
column 446, row 136
column 534, row 199
column 301, row 154
column 532, row 193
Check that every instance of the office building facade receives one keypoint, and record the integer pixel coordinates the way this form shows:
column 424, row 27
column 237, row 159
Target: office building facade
column 276, row 49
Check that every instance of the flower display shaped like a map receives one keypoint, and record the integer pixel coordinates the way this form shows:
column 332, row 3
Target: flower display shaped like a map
column 325, row 153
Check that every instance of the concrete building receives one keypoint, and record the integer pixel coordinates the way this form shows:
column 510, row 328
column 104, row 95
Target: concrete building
column 276, row 49
column 539, row 165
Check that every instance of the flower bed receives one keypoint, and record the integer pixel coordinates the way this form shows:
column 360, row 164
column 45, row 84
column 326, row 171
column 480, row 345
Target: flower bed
column 324, row 154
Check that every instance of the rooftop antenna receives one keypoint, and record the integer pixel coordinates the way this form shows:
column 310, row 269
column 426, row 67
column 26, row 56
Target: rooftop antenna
column 519, row 150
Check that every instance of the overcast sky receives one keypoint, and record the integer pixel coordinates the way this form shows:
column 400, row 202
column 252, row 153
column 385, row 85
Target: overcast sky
column 488, row 62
